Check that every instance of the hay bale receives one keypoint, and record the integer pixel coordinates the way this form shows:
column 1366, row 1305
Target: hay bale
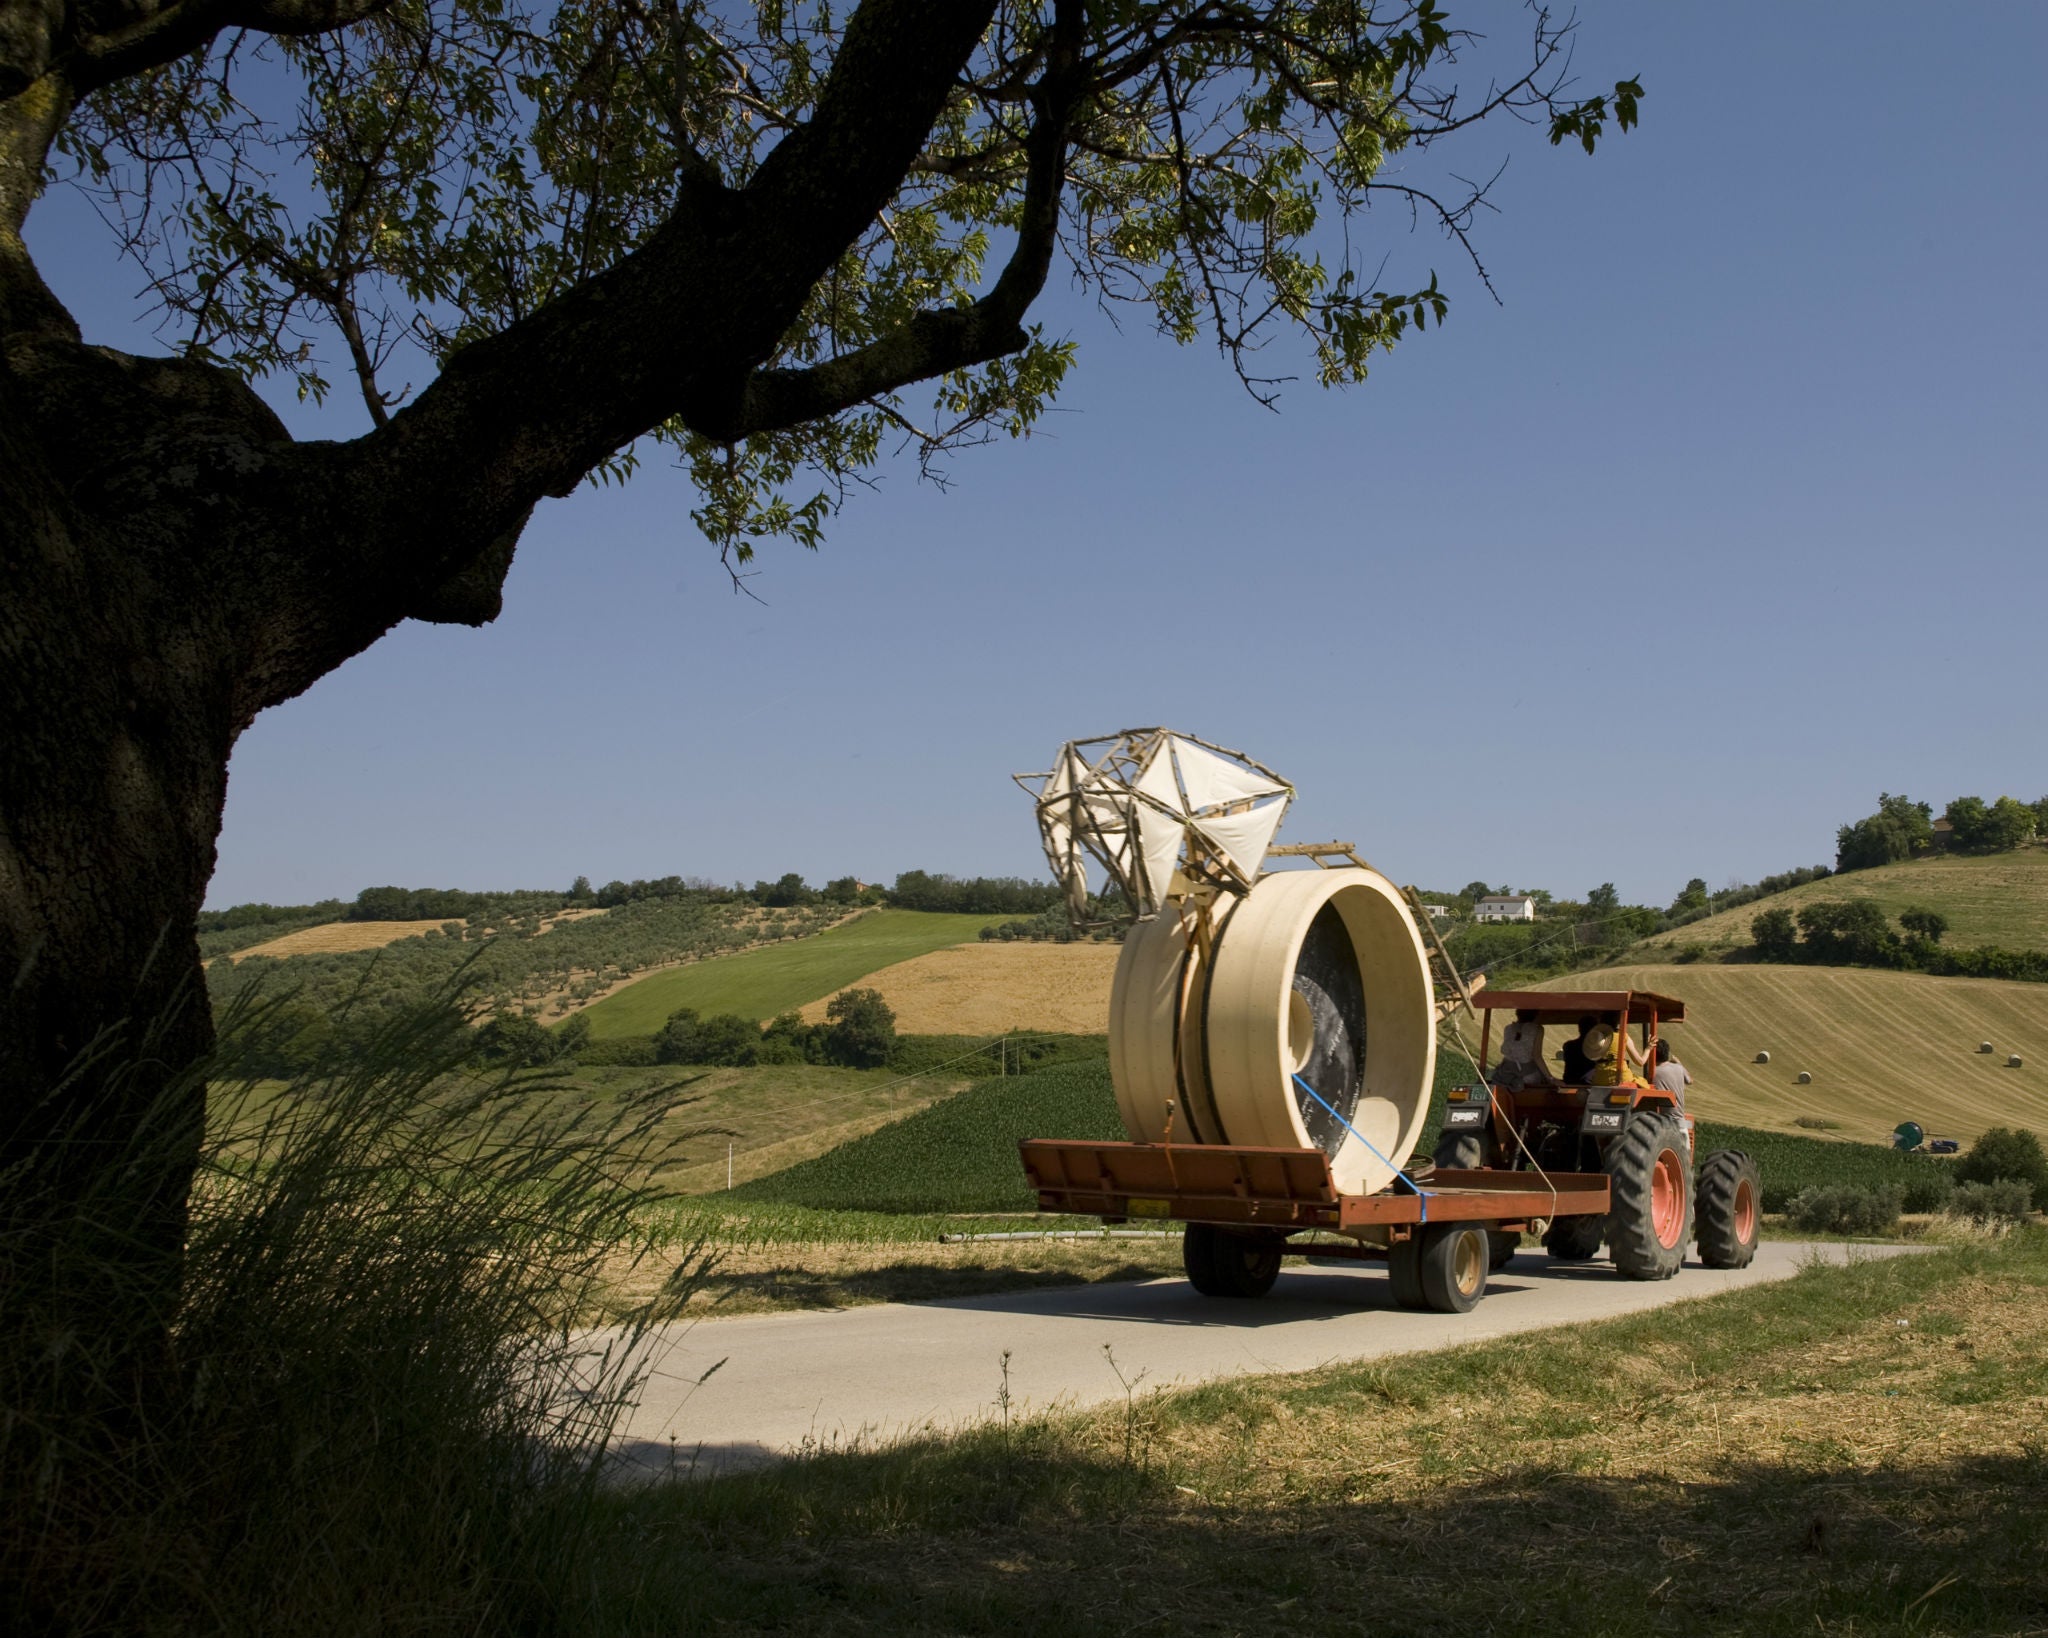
column 2012, row 1061
column 1983, row 1046
column 1763, row 1057
column 1805, row 1079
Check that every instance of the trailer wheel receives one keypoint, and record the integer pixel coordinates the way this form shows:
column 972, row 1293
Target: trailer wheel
column 1224, row 1264
column 1649, row 1217
column 1727, row 1201
column 1574, row 1239
column 1454, row 1261
column 1404, row 1271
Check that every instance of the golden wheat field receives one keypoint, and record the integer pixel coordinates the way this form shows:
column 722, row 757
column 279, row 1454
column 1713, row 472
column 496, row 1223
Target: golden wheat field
column 986, row 989
column 337, row 937
column 1881, row 1047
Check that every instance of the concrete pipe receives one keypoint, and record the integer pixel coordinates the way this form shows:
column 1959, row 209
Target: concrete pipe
column 1318, row 974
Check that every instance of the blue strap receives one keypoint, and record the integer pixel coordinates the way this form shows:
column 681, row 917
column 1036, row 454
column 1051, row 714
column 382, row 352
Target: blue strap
column 1400, row 1175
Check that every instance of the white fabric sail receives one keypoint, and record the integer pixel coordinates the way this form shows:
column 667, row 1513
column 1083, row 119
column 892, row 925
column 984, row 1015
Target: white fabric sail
column 1161, row 828
column 1243, row 837
column 1211, row 780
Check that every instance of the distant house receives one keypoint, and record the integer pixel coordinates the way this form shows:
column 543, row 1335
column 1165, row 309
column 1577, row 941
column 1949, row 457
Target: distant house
column 1505, row 907
column 1438, row 912
column 1944, row 834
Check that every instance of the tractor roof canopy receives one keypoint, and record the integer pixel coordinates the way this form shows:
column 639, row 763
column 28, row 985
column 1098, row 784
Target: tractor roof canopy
column 1569, row 1006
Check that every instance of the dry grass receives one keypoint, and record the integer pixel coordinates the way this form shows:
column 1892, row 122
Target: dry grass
column 988, row 989
column 339, row 938
column 1855, row 1451
column 1882, row 1047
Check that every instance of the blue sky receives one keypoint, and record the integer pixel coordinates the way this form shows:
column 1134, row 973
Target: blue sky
column 1727, row 519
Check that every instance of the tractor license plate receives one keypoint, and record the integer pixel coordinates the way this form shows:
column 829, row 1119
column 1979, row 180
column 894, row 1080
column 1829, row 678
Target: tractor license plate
column 1604, row 1120
column 1148, row 1208
column 1472, row 1115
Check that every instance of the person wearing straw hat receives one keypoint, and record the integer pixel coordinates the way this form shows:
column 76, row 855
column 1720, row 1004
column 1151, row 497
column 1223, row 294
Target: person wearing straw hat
column 1598, row 1045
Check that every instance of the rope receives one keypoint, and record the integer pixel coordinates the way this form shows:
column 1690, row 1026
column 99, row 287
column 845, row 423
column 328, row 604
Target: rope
column 1362, row 1138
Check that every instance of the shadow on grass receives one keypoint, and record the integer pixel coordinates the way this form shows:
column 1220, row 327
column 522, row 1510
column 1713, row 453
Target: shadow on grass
column 907, row 1281
column 991, row 1535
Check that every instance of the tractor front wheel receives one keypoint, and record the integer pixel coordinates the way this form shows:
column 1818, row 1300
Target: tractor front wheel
column 1223, row 1263
column 1729, row 1199
column 1575, row 1239
column 1649, row 1214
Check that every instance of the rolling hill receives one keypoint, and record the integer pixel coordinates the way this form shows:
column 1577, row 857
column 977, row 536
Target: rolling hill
column 1882, row 1047
column 760, row 983
column 2000, row 899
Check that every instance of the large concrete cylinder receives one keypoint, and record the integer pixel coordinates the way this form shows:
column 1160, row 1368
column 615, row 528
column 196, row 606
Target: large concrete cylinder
column 1316, row 974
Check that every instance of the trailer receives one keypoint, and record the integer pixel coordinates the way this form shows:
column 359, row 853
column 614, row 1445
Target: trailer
column 1244, row 1208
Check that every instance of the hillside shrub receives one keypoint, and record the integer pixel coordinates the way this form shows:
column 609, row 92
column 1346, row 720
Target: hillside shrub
column 1775, row 934
column 635, row 1051
column 2005, row 1201
column 861, row 1029
column 2005, row 1153
column 516, row 1042
column 724, row 1039
column 1930, row 1188
column 1846, row 1209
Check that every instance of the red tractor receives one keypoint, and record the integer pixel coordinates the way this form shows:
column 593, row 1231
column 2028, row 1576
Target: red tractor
column 1600, row 1113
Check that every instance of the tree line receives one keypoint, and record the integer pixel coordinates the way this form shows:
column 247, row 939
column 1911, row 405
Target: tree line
column 1858, row 933
column 1904, row 829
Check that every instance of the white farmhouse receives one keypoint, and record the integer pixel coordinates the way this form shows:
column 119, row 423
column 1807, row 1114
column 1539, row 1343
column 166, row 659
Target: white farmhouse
column 1505, row 907
column 1437, row 912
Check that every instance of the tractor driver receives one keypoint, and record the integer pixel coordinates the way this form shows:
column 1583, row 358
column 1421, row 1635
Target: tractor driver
column 1578, row 1063
column 1521, row 1054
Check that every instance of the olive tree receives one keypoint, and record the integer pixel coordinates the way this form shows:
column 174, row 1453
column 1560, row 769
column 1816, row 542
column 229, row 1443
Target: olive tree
column 540, row 245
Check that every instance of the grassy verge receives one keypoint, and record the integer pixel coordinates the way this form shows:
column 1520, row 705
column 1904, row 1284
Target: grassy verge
column 782, row 977
column 1856, row 1450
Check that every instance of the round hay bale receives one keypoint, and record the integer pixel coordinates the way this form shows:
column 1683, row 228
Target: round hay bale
column 1805, row 1078
column 1983, row 1046
column 2012, row 1061
column 1763, row 1057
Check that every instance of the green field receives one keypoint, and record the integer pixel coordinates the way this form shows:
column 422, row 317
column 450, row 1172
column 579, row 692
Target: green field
column 2000, row 900
column 782, row 977
column 1882, row 1047
column 960, row 1154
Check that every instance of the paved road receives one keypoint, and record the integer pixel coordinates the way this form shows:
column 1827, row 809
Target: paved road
column 877, row 1372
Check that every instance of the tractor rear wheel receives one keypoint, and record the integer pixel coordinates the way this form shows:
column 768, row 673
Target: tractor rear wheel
column 1649, row 1214
column 1224, row 1263
column 1453, row 1265
column 1728, row 1201
column 1575, row 1239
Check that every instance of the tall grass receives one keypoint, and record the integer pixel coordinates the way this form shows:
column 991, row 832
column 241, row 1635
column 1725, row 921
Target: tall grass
column 370, row 1409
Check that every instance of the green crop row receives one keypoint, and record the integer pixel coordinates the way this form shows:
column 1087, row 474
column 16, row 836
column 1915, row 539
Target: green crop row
column 961, row 1155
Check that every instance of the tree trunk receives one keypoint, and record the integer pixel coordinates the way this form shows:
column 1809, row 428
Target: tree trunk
column 113, row 761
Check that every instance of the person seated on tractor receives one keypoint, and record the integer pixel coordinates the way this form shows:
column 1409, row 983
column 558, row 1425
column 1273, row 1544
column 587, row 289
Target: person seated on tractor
column 1598, row 1046
column 1521, row 1054
column 1578, row 1063
column 1671, row 1075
